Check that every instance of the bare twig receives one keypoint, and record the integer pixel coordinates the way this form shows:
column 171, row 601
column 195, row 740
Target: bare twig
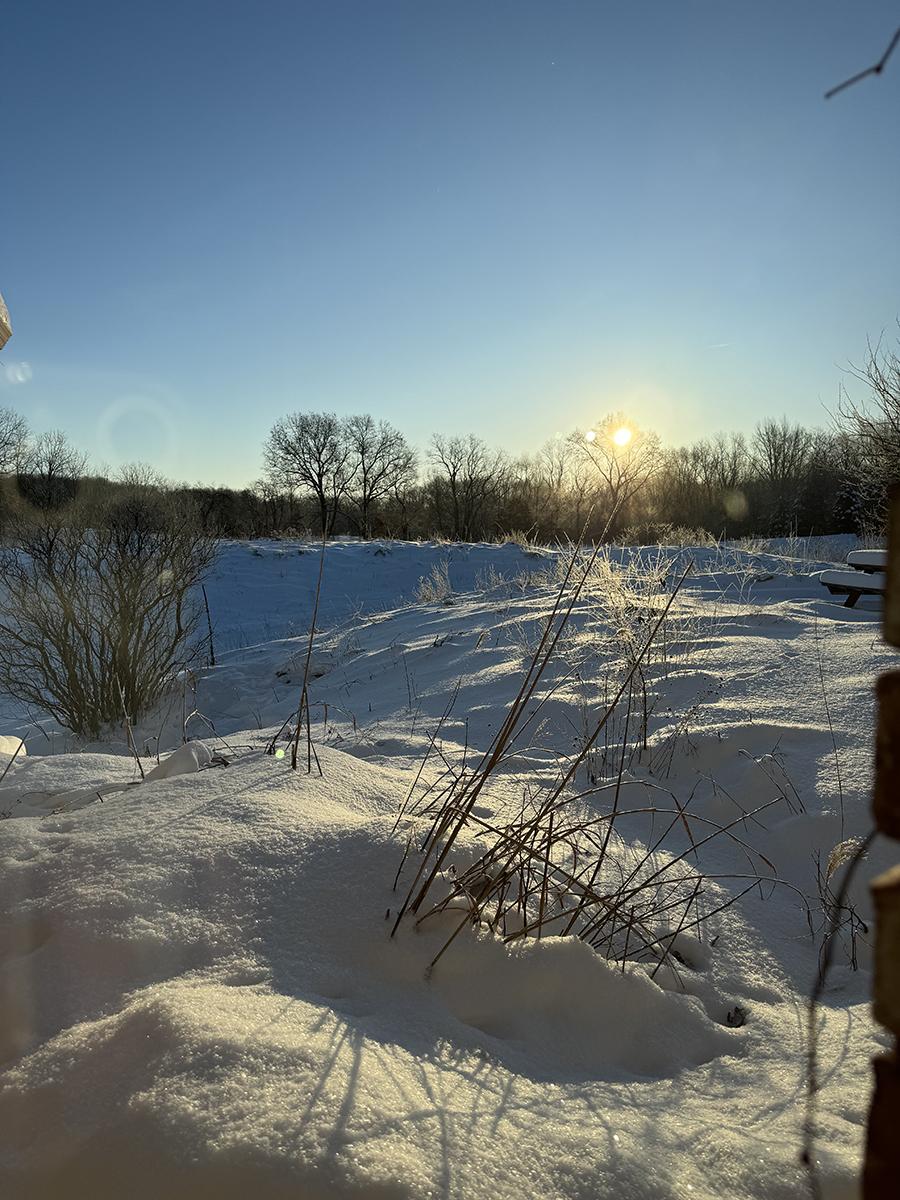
column 212, row 649
column 873, row 70
column 303, row 707
column 129, row 735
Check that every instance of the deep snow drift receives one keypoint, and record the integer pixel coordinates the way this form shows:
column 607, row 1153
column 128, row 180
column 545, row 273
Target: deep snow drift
column 198, row 993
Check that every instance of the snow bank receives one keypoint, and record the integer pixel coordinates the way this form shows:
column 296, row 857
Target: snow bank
column 187, row 759
column 200, row 998
column 198, row 993
column 12, row 746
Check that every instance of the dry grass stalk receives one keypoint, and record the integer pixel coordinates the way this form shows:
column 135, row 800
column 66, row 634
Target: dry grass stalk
column 515, row 847
column 15, row 755
column 303, row 708
column 463, row 795
column 555, row 868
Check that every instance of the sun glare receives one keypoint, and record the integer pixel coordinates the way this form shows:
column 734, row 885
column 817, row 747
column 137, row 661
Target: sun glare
column 622, row 436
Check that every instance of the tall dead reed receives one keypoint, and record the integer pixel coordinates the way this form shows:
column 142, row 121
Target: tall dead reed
column 557, row 866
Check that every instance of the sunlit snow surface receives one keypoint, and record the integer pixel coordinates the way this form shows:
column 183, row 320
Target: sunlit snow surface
column 199, row 995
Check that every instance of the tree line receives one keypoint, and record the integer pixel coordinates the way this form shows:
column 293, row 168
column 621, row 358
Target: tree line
column 325, row 474
column 362, row 477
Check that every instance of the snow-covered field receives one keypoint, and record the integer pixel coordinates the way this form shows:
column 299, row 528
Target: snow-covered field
column 200, row 996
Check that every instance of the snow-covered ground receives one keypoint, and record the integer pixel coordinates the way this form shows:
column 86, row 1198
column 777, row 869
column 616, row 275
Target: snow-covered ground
column 199, row 993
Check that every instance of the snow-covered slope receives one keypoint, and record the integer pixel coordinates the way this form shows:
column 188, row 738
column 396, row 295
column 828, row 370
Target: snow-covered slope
column 198, row 991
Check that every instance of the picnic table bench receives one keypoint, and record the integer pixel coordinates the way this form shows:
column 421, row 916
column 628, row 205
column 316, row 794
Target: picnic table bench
column 870, row 561
column 866, row 578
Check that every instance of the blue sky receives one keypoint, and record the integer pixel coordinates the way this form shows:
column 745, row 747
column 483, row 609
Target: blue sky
column 499, row 218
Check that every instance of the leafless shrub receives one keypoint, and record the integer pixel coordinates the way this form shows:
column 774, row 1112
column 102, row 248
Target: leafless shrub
column 873, row 426
column 99, row 606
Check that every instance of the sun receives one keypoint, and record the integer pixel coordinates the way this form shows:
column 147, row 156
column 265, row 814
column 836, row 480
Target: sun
column 622, row 436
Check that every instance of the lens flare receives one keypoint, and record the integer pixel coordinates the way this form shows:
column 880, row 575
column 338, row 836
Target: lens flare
column 18, row 372
column 134, row 421
column 590, row 436
column 735, row 505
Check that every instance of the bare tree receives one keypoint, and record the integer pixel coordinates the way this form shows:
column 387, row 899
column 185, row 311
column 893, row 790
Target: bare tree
column 781, row 454
column 471, row 474
column 308, row 452
column 780, row 450
column 13, row 440
column 557, row 467
column 381, row 463
column 403, row 507
column 624, row 459
column 554, row 459
column 271, row 499
column 680, row 493
column 50, row 471
column 874, row 428
column 724, row 463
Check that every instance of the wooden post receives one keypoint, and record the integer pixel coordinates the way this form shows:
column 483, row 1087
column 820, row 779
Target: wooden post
column 886, row 998
column 886, row 797
column 891, row 627
column 881, row 1175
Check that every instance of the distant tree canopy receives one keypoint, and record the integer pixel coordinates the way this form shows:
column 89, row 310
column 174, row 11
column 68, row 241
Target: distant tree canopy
column 325, row 474
column 361, row 476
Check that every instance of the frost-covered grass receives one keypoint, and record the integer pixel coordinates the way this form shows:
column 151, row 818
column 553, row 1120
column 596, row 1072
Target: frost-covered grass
column 435, row 587
column 200, row 992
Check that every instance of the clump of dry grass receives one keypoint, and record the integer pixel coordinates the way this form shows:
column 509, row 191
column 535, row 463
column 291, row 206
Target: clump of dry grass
column 665, row 533
column 524, row 539
column 435, row 587
column 840, row 916
column 557, row 866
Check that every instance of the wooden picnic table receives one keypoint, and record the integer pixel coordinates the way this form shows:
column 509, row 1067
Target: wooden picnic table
column 866, row 578
column 869, row 561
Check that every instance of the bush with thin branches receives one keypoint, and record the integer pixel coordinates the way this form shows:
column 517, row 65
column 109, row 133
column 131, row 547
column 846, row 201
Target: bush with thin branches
column 98, row 606
column 872, row 435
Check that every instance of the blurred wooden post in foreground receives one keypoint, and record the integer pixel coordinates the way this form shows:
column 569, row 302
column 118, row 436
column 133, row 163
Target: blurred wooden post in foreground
column 881, row 1176
column 5, row 327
